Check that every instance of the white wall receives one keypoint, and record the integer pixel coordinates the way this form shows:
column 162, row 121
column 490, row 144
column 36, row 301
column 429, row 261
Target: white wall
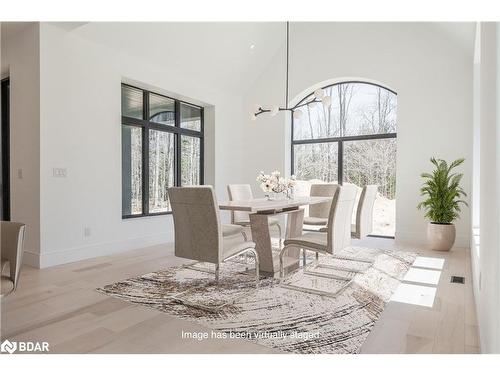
column 20, row 60
column 80, row 124
column 486, row 228
column 80, row 131
column 431, row 74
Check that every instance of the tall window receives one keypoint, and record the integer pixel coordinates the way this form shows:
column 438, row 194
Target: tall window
column 162, row 146
column 351, row 141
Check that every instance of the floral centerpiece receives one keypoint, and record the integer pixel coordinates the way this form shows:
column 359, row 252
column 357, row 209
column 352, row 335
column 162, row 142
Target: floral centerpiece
column 276, row 184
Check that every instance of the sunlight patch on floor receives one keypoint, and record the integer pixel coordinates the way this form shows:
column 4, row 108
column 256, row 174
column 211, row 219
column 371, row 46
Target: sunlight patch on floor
column 427, row 262
column 415, row 294
column 423, row 276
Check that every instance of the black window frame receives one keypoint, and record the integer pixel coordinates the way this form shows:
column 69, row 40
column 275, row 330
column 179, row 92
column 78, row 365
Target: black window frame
column 339, row 140
column 5, row 130
column 145, row 124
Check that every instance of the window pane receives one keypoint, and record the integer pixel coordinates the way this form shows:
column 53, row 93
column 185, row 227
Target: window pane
column 368, row 109
column 132, row 102
column 161, row 169
column 373, row 162
column 318, row 161
column 161, row 110
column 190, row 117
column 355, row 109
column 190, row 168
column 318, row 121
column 131, row 170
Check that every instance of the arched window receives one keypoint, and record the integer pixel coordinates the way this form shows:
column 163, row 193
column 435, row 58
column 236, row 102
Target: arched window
column 353, row 140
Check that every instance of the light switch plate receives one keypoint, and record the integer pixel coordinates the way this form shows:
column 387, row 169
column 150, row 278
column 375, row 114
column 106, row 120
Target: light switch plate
column 59, row 172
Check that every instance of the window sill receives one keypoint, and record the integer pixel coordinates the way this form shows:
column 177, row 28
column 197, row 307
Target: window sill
column 142, row 216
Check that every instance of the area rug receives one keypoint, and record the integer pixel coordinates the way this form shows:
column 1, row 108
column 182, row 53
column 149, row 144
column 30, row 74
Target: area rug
column 287, row 320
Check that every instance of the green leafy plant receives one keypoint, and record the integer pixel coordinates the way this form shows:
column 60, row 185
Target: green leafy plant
column 442, row 192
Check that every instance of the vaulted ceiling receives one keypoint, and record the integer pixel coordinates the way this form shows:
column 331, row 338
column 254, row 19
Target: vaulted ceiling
column 225, row 55
column 220, row 54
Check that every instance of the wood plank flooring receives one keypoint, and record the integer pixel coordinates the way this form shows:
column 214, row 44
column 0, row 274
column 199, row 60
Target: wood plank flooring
column 60, row 305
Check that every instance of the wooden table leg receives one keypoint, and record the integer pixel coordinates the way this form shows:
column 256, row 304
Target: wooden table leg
column 269, row 262
column 259, row 225
column 294, row 228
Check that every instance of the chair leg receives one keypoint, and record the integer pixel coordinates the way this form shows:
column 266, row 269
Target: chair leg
column 353, row 259
column 179, row 297
column 282, row 266
column 346, row 269
column 280, row 234
column 347, row 280
column 257, row 274
column 304, row 258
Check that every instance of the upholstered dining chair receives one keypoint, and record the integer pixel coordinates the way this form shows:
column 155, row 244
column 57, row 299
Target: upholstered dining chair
column 243, row 192
column 329, row 242
column 12, row 241
column 198, row 232
column 364, row 212
column 319, row 212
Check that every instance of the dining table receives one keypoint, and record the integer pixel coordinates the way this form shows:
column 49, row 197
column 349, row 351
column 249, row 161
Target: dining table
column 260, row 209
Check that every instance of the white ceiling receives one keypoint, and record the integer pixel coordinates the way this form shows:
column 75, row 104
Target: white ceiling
column 218, row 53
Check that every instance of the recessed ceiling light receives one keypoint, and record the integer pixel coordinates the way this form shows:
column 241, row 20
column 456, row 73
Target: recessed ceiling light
column 252, row 46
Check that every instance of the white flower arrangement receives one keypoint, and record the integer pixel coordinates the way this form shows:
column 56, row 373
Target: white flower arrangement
column 275, row 183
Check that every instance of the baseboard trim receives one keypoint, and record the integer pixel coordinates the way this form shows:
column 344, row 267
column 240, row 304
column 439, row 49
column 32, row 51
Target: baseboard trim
column 54, row 258
column 31, row 258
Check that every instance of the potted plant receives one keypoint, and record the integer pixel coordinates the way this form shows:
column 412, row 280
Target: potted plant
column 443, row 194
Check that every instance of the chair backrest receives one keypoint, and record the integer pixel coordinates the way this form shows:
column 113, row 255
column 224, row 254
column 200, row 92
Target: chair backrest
column 364, row 213
column 321, row 210
column 198, row 233
column 12, row 241
column 239, row 192
column 339, row 219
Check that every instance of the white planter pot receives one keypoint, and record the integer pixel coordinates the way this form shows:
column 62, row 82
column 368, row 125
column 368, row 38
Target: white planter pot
column 441, row 236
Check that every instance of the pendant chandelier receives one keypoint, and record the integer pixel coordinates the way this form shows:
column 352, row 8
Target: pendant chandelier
column 318, row 97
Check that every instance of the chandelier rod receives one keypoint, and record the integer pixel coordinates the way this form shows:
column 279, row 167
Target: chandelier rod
column 274, row 110
column 287, row 60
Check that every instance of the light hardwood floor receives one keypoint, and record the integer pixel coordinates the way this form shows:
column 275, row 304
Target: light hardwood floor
column 60, row 305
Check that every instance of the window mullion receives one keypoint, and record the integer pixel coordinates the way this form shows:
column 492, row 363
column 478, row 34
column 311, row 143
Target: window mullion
column 145, row 155
column 340, row 166
column 178, row 156
column 148, row 129
column 202, row 147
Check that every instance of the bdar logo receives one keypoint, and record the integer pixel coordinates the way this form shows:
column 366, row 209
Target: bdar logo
column 8, row 346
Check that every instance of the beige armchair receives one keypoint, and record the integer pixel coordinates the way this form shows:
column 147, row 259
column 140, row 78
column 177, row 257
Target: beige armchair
column 329, row 242
column 12, row 248
column 198, row 231
column 318, row 213
column 243, row 192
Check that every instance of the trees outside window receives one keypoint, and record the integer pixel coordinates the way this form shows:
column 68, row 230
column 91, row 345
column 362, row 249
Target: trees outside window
column 162, row 146
column 353, row 140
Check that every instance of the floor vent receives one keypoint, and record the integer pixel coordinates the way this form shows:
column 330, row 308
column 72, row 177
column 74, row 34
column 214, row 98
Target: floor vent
column 458, row 279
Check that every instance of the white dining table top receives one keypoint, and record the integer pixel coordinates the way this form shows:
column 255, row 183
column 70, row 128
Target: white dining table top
column 265, row 205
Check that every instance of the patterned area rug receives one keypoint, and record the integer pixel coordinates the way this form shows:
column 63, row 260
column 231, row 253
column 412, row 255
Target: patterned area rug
column 273, row 316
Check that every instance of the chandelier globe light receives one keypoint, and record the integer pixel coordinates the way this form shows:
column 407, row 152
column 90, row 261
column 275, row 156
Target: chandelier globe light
column 318, row 97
